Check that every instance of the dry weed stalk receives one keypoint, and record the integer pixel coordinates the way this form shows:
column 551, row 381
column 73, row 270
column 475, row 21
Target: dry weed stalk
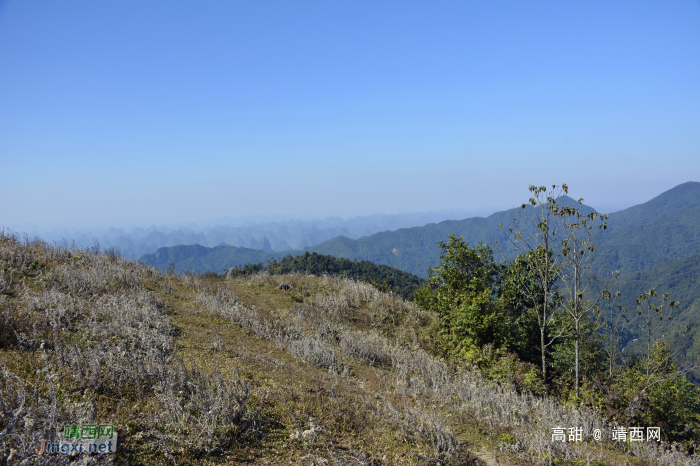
column 318, row 332
column 95, row 330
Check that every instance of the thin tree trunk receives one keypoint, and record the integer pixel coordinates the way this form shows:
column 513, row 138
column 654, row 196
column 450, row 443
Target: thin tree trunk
column 543, row 327
column 577, row 317
column 544, row 358
column 648, row 344
column 578, row 333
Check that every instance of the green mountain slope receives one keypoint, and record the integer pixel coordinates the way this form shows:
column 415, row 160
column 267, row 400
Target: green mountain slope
column 202, row 259
column 402, row 283
column 683, row 196
column 681, row 279
column 665, row 228
column 415, row 249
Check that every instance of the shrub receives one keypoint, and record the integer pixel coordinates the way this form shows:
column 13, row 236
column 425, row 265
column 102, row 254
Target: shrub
column 664, row 398
column 504, row 367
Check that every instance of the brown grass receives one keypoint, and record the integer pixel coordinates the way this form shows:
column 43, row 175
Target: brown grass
column 197, row 370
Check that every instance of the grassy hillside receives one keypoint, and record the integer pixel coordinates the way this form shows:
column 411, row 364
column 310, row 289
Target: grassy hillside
column 199, row 370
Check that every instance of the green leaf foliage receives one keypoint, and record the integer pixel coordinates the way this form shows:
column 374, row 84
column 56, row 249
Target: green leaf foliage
column 661, row 399
column 383, row 277
column 591, row 357
column 473, row 295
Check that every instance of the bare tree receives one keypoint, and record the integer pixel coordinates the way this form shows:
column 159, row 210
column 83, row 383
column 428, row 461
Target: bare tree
column 613, row 324
column 580, row 276
column 656, row 314
column 659, row 350
column 533, row 234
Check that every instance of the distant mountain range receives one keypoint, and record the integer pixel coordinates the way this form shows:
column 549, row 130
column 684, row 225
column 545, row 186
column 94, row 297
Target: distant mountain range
column 276, row 236
column 665, row 228
column 200, row 259
column 654, row 245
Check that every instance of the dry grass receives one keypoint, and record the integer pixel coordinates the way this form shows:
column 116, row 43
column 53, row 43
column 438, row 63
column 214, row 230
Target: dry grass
column 198, row 370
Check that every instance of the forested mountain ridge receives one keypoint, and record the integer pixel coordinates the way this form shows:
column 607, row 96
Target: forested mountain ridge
column 415, row 249
column 400, row 282
column 664, row 228
column 681, row 279
column 199, row 259
column 683, row 196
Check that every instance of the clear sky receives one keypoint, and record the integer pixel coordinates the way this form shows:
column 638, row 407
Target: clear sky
column 142, row 112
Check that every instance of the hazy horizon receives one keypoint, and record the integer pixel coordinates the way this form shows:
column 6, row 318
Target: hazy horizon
column 257, row 220
column 280, row 233
column 238, row 221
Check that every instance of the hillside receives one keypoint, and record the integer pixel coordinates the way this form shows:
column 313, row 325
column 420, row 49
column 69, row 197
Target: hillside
column 681, row 279
column 198, row 370
column 401, row 283
column 416, row 249
column 201, row 259
column 666, row 227
column 653, row 245
column 684, row 196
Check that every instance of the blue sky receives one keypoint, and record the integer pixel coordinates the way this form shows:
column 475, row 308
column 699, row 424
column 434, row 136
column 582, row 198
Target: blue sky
column 142, row 112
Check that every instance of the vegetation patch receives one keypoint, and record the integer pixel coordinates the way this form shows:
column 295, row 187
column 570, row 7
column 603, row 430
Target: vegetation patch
column 196, row 369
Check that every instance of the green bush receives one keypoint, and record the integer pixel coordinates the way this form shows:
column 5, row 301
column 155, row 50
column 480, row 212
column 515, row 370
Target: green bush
column 477, row 300
column 504, row 367
column 652, row 392
column 591, row 360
